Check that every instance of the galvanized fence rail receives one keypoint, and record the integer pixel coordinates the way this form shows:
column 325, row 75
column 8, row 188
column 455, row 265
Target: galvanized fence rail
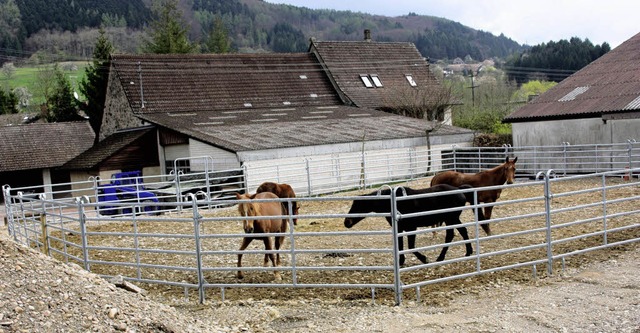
column 195, row 248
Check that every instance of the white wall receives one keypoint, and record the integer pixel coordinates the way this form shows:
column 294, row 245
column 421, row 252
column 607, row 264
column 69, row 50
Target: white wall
column 575, row 131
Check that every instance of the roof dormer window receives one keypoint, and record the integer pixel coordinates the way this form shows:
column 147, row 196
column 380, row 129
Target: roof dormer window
column 376, row 80
column 411, row 81
column 365, row 79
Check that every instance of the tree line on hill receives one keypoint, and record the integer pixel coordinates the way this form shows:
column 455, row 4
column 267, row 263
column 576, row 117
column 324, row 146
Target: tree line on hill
column 168, row 31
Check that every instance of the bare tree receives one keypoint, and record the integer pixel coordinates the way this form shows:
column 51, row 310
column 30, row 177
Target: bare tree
column 8, row 69
column 432, row 103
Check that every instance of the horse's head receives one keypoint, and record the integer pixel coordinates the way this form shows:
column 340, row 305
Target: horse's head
column 510, row 169
column 246, row 209
column 363, row 206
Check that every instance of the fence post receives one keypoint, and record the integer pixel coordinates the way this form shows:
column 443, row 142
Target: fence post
column 564, row 158
column 395, row 216
column 455, row 162
column 604, row 209
column 83, row 233
column 547, row 207
column 43, row 226
column 196, row 230
column 630, row 154
column 307, row 168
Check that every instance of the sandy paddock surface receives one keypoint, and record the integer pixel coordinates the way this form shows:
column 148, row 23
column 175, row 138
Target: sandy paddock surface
column 597, row 291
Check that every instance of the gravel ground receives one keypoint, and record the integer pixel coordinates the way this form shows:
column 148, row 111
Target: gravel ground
column 598, row 292
column 40, row 294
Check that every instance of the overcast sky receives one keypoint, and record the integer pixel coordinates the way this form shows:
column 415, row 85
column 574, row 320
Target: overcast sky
column 530, row 22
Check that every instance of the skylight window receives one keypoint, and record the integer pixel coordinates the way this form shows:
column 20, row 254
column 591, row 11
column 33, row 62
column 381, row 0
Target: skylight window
column 410, row 80
column 371, row 81
column 376, row 80
column 366, row 81
column 573, row 94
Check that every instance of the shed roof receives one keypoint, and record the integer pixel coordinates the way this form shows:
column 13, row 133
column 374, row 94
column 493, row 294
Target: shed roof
column 245, row 130
column 608, row 85
column 391, row 62
column 42, row 145
column 106, row 148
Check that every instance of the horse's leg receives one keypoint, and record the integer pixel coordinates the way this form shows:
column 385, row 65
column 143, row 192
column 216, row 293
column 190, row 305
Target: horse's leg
column 245, row 242
column 400, row 248
column 465, row 236
column 411, row 244
column 486, row 216
column 448, row 238
column 268, row 247
column 279, row 240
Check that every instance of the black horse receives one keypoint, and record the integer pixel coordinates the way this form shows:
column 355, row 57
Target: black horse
column 383, row 205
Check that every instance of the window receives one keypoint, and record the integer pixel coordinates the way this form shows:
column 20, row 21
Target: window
column 410, row 80
column 376, row 80
column 366, row 81
column 183, row 165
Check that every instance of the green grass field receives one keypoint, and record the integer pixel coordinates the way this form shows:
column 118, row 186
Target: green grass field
column 28, row 77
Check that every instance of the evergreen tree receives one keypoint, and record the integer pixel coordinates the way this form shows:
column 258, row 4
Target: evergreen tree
column 8, row 102
column 218, row 40
column 94, row 84
column 61, row 103
column 168, row 33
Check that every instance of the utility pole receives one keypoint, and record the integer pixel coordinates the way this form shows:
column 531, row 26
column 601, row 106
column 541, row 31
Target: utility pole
column 473, row 87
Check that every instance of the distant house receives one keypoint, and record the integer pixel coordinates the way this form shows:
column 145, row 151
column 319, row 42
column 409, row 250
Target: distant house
column 32, row 154
column 598, row 104
column 268, row 109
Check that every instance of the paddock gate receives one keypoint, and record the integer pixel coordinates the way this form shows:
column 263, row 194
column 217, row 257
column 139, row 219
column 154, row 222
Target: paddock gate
column 537, row 223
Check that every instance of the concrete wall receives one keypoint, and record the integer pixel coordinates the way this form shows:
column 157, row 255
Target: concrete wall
column 575, row 131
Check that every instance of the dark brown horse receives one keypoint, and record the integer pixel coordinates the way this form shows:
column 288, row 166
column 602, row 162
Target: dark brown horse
column 504, row 172
column 254, row 224
column 282, row 191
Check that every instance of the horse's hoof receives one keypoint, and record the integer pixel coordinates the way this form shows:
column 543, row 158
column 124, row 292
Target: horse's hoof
column 278, row 278
column 240, row 277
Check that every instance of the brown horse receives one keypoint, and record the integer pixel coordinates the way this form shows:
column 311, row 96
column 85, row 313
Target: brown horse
column 254, row 224
column 504, row 172
column 282, row 191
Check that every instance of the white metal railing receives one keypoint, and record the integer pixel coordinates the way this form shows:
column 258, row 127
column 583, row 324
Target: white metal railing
column 196, row 248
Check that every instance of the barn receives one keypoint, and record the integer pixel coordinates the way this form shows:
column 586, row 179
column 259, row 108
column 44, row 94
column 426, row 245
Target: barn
column 257, row 110
column 597, row 105
column 31, row 154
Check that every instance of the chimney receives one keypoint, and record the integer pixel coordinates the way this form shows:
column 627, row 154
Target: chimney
column 367, row 35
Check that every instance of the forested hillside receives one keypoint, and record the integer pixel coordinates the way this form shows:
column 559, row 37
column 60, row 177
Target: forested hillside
column 67, row 28
column 564, row 56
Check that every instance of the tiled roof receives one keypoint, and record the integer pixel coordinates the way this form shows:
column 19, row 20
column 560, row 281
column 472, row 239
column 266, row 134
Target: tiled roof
column 105, row 149
column 390, row 62
column 205, row 82
column 608, row 85
column 245, row 130
column 42, row 145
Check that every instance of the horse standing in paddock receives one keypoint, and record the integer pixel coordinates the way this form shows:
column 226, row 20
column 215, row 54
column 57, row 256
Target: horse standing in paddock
column 252, row 211
column 504, row 172
column 282, row 191
column 383, row 205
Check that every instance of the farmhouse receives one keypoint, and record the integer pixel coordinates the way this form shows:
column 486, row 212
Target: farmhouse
column 269, row 109
column 598, row 104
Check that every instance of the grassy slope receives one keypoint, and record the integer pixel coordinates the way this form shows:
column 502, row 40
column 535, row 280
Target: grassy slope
column 28, row 77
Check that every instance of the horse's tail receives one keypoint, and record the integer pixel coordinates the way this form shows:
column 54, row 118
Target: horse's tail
column 468, row 195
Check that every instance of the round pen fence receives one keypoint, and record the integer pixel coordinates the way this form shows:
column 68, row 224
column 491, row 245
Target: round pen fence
column 537, row 224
